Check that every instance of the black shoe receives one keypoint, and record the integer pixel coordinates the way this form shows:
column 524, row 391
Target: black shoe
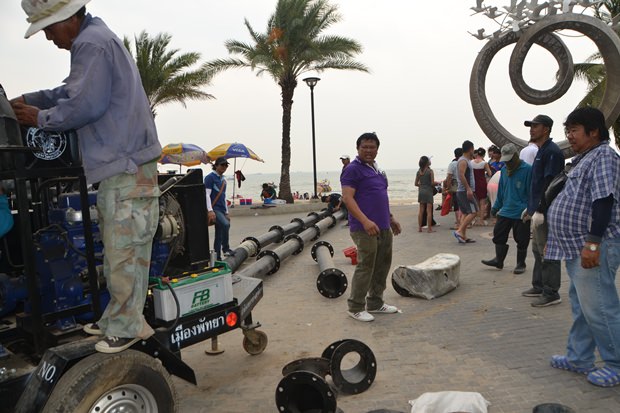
column 93, row 329
column 521, row 256
column 532, row 292
column 493, row 263
column 546, row 301
column 115, row 344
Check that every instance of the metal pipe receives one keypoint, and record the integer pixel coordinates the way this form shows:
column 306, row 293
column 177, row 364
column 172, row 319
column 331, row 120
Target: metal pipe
column 268, row 261
column 331, row 282
column 305, row 389
column 275, row 234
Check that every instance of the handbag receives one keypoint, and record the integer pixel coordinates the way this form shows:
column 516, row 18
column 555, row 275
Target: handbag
column 447, row 205
column 557, row 184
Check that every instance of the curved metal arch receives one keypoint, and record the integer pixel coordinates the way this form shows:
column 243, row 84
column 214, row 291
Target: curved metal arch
column 541, row 33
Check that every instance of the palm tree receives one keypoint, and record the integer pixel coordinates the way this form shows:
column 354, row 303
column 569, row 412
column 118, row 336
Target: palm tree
column 165, row 75
column 593, row 72
column 292, row 44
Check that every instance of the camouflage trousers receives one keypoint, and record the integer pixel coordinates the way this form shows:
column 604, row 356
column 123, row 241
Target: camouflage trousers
column 128, row 211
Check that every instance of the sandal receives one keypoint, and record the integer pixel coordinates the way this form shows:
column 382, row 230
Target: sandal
column 458, row 237
column 562, row 363
column 469, row 240
column 604, row 377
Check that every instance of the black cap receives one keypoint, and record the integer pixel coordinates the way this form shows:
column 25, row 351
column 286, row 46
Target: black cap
column 541, row 120
column 221, row 161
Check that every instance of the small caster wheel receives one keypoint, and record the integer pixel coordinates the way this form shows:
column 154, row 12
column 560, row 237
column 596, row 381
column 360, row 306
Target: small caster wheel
column 254, row 341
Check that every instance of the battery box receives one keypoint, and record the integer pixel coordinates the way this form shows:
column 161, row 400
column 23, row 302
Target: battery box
column 195, row 291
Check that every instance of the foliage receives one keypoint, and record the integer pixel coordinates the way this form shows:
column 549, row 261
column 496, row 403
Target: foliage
column 294, row 42
column 166, row 75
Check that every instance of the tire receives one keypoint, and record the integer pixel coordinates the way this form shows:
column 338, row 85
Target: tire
column 254, row 342
column 127, row 381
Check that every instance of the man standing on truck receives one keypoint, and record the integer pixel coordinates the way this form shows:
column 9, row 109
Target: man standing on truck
column 103, row 99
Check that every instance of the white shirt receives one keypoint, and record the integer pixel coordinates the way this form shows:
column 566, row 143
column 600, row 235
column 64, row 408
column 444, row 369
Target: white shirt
column 528, row 154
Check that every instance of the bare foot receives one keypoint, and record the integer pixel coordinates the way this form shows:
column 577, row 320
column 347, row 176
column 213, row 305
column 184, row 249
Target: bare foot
column 420, row 229
column 430, row 230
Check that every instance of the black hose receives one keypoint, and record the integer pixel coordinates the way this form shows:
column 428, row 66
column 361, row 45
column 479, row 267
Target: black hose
column 178, row 305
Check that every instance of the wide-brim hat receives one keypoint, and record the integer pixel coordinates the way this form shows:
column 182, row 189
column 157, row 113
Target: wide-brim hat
column 42, row 13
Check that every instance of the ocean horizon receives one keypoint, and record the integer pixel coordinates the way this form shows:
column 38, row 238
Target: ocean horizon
column 400, row 183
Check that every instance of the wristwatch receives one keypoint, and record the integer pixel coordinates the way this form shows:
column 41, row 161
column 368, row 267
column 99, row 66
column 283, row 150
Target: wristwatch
column 592, row 247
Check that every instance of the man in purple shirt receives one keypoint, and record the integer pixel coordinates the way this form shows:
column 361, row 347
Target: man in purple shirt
column 364, row 190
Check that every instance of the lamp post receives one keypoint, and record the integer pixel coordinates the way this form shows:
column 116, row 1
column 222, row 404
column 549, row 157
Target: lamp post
column 311, row 82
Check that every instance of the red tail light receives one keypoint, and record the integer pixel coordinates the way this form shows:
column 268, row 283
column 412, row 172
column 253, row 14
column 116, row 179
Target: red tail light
column 231, row 319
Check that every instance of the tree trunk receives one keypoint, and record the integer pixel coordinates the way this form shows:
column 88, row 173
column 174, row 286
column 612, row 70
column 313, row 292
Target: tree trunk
column 288, row 85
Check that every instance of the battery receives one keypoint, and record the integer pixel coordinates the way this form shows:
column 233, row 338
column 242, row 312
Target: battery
column 195, row 292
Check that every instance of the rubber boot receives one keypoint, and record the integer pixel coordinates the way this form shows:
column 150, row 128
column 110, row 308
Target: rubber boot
column 500, row 254
column 521, row 255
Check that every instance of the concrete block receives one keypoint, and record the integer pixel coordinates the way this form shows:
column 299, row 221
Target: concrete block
column 429, row 279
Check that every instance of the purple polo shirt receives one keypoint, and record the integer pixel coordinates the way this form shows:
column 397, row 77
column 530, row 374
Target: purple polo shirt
column 370, row 184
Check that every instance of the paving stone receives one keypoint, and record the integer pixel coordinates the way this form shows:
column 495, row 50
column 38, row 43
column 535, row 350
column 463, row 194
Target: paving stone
column 483, row 336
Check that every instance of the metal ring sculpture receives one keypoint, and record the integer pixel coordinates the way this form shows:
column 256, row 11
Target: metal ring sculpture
column 304, row 388
column 542, row 33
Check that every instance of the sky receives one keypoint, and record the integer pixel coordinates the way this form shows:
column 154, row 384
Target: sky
column 416, row 96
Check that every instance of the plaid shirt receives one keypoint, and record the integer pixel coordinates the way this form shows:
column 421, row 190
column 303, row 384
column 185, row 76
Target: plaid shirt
column 596, row 176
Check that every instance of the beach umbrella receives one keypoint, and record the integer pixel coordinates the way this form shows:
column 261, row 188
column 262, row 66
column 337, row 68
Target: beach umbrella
column 233, row 151
column 186, row 154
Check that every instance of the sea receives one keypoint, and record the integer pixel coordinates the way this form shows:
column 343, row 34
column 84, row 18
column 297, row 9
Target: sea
column 400, row 181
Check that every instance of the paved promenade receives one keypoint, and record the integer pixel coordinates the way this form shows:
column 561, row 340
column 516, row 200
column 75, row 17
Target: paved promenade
column 483, row 337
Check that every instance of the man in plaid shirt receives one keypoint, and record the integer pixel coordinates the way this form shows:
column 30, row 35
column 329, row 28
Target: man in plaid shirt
column 584, row 231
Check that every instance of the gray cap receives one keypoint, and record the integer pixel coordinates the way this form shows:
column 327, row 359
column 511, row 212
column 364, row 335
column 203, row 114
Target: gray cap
column 508, row 151
column 540, row 120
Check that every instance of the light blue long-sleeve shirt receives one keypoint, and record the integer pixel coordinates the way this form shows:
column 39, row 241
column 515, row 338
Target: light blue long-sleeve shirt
column 513, row 191
column 103, row 99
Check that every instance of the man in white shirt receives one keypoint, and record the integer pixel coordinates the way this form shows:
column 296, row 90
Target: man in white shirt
column 528, row 154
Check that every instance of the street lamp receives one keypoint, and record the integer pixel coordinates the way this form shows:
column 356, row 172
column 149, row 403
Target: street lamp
column 311, row 82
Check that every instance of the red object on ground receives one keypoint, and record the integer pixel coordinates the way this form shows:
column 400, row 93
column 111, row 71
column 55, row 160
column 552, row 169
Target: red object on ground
column 351, row 252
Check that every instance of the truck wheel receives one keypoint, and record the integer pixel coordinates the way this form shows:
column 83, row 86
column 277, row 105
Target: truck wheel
column 129, row 381
column 254, row 341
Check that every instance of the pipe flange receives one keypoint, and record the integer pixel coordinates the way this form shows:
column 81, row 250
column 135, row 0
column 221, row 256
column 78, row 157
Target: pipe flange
column 334, row 221
column 358, row 378
column 321, row 244
column 304, row 391
column 318, row 232
column 275, row 257
column 256, row 243
column 314, row 214
column 302, row 224
column 317, row 365
column 299, row 239
column 332, row 283
column 280, row 230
